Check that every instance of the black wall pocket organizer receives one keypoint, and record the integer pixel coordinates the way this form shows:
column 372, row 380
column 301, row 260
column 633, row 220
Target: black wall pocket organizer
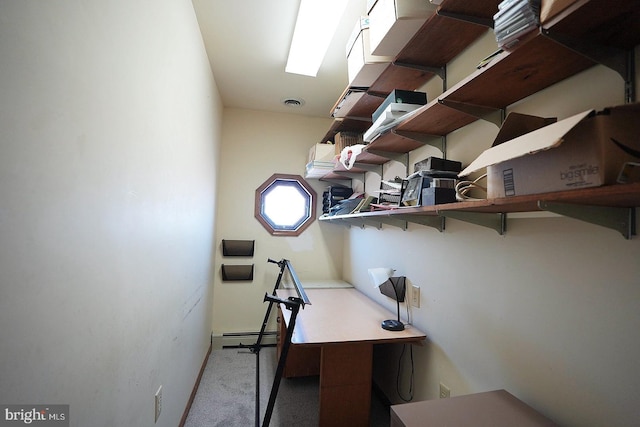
column 237, row 272
column 238, row 247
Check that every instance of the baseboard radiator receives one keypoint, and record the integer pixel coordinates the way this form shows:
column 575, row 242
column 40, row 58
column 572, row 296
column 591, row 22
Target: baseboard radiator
column 242, row 339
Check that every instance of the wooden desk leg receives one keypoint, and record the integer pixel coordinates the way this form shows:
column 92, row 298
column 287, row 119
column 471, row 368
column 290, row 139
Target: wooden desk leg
column 345, row 384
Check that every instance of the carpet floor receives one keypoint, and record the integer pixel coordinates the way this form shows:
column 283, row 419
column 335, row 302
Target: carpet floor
column 227, row 393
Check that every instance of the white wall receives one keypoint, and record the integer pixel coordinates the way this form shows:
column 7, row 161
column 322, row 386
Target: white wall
column 109, row 121
column 255, row 145
column 549, row 311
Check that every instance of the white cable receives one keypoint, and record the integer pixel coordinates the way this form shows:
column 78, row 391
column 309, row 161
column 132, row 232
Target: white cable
column 463, row 187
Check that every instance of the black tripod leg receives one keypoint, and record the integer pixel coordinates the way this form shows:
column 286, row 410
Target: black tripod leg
column 281, row 362
column 257, row 413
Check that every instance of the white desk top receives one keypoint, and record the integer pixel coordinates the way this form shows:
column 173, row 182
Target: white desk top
column 343, row 315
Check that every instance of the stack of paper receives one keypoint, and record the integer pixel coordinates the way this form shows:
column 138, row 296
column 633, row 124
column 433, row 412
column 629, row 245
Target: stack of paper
column 318, row 168
column 515, row 18
column 391, row 117
column 365, row 204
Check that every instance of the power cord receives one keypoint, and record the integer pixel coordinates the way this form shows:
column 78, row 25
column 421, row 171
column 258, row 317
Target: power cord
column 410, row 398
column 463, row 187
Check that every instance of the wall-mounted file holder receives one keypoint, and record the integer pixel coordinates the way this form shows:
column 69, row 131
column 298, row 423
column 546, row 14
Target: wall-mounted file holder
column 237, row 272
column 238, row 247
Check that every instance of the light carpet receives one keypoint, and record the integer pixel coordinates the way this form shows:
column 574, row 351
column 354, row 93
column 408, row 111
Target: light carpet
column 226, row 395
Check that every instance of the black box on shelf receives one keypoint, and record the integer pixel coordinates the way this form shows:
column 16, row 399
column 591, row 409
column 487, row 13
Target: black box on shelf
column 438, row 164
column 437, row 196
column 413, row 188
column 333, row 196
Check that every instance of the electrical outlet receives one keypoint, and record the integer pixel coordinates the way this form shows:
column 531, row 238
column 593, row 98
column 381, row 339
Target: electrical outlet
column 415, row 296
column 158, row 403
column 444, row 391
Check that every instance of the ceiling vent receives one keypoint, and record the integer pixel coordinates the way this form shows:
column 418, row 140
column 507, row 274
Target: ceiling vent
column 293, row 102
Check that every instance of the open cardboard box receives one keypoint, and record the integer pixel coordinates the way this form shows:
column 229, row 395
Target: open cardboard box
column 586, row 150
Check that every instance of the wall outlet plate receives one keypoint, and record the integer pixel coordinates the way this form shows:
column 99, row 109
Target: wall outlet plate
column 444, row 391
column 415, row 296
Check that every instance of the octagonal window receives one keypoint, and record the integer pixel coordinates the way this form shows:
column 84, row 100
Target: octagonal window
column 285, row 205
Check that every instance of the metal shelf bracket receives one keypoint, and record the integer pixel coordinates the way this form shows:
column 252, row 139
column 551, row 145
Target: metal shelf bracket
column 423, row 138
column 620, row 219
column 436, row 222
column 489, row 114
column 369, row 167
column 362, row 222
column 494, row 221
column 393, row 222
column 620, row 60
column 398, row 157
column 438, row 71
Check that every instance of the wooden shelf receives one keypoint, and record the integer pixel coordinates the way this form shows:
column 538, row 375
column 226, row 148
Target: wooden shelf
column 510, row 77
column 538, row 63
column 442, row 38
column 619, row 195
column 611, row 206
column 439, row 40
column 587, row 33
column 614, row 23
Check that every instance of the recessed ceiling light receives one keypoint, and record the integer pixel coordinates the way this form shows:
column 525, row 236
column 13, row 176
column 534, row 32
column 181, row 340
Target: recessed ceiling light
column 293, row 102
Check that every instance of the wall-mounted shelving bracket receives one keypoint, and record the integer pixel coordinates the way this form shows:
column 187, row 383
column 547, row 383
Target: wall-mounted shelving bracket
column 489, row 114
column 395, row 222
column 619, row 60
column 359, row 222
column 390, row 155
column 494, row 221
column 434, row 140
column 438, row 71
column 437, row 222
column 622, row 220
column 369, row 167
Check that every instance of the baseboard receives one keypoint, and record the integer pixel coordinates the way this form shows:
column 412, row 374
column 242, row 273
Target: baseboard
column 183, row 420
column 242, row 339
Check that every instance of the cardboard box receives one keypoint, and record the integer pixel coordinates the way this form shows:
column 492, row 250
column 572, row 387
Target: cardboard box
column 585, row 150
column 393, row 23
column 363, row 68
column 550, row 8
column 322, row 153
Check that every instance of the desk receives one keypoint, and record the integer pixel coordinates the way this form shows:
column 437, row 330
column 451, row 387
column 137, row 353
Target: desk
column 345, row 324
